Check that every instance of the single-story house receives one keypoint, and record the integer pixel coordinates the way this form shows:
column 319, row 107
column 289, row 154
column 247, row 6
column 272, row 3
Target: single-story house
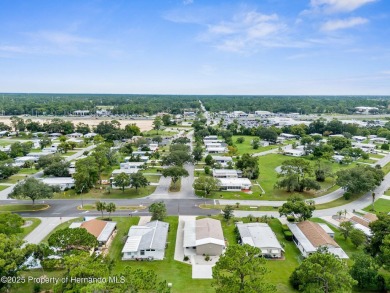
column 20, row 161
column 102, row 230
column 75, row 135
column 222, row 160
column 358, row 138
column 210, row 138
column 212, row 144
column 6, row 148
column 37, row 154
column 3, row 133
column 260, row 235
column 90, row 135
column 216, row 150
column 309, row 236
column 62, row 182
column 336, row 135
column 146, row 242
column 226, row 173
column 55, row 134
column 203, row 237
column 288, row 135
column 153, row 147
column 380, row 140
column 132, row 165
column 338, row 158
column 367, row 147
column 294, row 152
column 363, row 222
column 235, row 184
column 126, row 171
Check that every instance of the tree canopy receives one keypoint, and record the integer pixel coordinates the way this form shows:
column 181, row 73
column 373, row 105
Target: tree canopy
column 69, row 239
column 298, row 208
column 359, row 179
column 33, row 189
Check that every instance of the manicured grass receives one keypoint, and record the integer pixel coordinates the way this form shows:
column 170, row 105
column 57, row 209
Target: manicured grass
column 177, row 273
column 239, row 208
column 338, row 202
column 380, row 206
column 89, row 207
column 269, row 177
column 377, row 156
column 102, row 193
column 27, row 230
column 153, row 178
column 386, row 168
column 14, row 179
column 175, row 187
column 233, row 194
column 68, row 154
column 2, row 187
column 160, row 132
column 28, row 171
column 246, row 146
column 23, row 207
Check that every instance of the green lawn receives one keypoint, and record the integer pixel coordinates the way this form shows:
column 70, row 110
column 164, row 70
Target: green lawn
column 68, row 154
column 2, row 187
column 268, row 178
column 338, row 202
column 246, row 147
column 14, row 179
column 153, row 178
column 177, row 273
column 28, row 171
column 102, row 193
column 160, row 132
column 381, row 206
column 239, row 208
column 27, row 230
column 233, row 194
column 23, row 207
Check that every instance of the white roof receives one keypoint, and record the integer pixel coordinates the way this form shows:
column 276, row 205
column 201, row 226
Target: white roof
column 222, row 158
column 365, row 229
column 235, row 181
column 107, row 231
column 225, row 171
column 126, row 171
column 189, row 239
column 132, row 244
column 259, row 235
column 58, row 180
column 25, row 158
column 326, row 228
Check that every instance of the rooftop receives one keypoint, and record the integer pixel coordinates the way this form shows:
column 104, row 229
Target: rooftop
column 259, row 235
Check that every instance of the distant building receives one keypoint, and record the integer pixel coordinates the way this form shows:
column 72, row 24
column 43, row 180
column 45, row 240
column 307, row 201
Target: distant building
column 81, row 112
column 294, row 152
column 61, row 182
column 226, row 173
column 222, row 160
column 366, row 110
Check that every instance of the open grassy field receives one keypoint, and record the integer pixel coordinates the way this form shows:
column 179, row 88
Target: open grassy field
column 380, row 206
column 246, row 146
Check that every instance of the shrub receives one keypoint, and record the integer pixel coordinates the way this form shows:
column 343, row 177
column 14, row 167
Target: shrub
column 207, row 170
column 285, row 227
column 347, row 195
column 288, row 235
column 207, row 258
column 186, row 258
column 290, row 218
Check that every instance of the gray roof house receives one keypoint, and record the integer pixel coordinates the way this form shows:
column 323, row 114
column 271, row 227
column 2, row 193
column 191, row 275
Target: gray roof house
column 204, row 236
column 146, row 242
column 260, row 235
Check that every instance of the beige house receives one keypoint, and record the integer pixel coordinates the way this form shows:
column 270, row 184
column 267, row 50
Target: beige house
column 203, row 237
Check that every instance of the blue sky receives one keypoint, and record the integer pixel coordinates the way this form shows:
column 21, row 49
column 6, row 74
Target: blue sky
column 315, row 47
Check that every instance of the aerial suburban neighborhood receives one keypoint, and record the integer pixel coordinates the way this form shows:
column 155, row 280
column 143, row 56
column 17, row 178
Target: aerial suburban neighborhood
column 179, row 196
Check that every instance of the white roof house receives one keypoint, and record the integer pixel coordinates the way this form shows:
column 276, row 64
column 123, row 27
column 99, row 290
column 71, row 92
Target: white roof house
column 367, row 147
column 358, row 138
column 204, row 236
column 294, row 152
column 235, row 184
column 20, row 161
column 309, row 236
column 215, row 149
column 222, row 160
column 146, row 241
column 288, row 135
column 124, row 170
column 226, row 173
column 62, row 182
column 132, row 165
column 260, row 235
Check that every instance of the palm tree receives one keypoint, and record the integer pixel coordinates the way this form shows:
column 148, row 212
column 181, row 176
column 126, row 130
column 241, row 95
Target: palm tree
column 100, row 206
column 373, row 200
column 110, row 208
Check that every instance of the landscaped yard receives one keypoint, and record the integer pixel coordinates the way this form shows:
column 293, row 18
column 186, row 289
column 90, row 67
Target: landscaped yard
column 246, row 146
column 23, row 207
column 177, row 273
column 381, row 206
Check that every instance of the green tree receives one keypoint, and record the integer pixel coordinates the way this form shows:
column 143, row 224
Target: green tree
column 110, row 208
column 295, row 174
column 87, row 174
column 357, row 237
column 298, row 208
column 7, row 169
column 10, row 223
column 240, row 139
column 241, row 269
column 256, row 143
column 157, row 123
column 206, row 184
column 228, row 212
column 13, row 254
column 132, row 129
column 57, row 169
column 346, row 228
column 209, row 160
column 122, row 180
column 379, row 229
column 44, row 142
column 359, row 179
column 158, row 211
column 177, row 158
column 33, row 189
column 322, row 272
column 100, row 155
column 100, row 206
column 69, row 239
column 83, row 128
column 249, row 165
column 365, row 271
column 197, row 153
column 175, row 173
column 339, row 143
column 138, row 180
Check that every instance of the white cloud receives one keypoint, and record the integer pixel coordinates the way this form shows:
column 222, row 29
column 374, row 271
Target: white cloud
column 338, row 24
column 335, row 6
column 61, row 38
column 245, row 32
column 188, row 2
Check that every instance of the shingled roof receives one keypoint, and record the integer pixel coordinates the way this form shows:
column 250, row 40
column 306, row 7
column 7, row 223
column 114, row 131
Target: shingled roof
column 316, row 235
